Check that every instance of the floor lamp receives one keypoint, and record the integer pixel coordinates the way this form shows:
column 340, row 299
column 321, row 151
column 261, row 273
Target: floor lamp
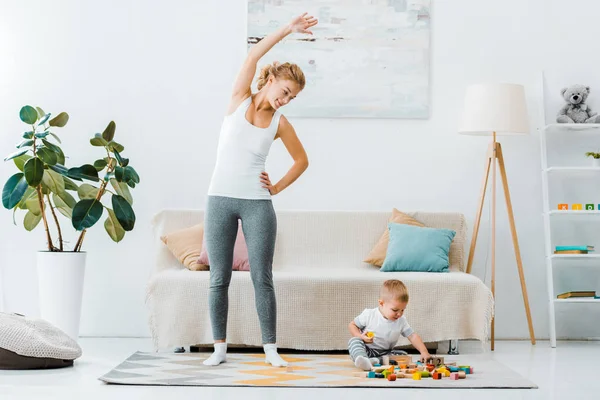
column 491, row 110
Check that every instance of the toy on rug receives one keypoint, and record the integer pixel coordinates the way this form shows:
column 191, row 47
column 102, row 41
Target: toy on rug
column 576, row 110
column 434, row 368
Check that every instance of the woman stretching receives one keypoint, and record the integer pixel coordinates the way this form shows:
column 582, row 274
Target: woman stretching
column 240, row 189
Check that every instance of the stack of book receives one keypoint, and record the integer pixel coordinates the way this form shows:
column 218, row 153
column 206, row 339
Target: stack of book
column 573, row 249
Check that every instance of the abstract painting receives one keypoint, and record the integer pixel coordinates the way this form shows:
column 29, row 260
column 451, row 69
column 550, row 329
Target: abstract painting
column 365, row 59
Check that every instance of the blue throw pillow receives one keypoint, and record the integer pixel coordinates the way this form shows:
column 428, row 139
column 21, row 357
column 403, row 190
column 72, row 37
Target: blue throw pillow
column 417, row 249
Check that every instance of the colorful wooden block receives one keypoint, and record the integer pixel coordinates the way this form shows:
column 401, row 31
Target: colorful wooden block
column 393, row 362
column 462, row 374
column 563, row 207
column 589, row 207
column 425, row 374
column 412, row 366
column 454, row 376
column 420, row 367
column 437, row 375
column 416, row 376
column 403, row 366
column 379, row 376
column 412, row 370
column 430, row 367
column 391, row 377
column 446, row 373
column 577, row 207
column 370, row 334
column 452, row 368
column 470, row 370
column 371, row 374
column 386, row 373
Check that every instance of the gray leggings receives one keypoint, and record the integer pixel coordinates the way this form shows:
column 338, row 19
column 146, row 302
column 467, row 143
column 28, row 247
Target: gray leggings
column 259, row 225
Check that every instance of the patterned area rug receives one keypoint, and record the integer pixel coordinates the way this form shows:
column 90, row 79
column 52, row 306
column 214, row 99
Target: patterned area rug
column 305, row 370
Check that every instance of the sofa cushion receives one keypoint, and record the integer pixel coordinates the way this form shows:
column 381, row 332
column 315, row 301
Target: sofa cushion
column 186, row 245
column 413, row 248
column 378, row 253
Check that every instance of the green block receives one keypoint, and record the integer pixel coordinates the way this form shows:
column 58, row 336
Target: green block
column 589, row 206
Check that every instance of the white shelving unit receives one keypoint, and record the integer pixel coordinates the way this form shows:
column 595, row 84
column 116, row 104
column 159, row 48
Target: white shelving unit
column 551, row 212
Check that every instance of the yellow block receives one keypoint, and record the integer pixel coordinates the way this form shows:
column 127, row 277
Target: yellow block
column 417, row 376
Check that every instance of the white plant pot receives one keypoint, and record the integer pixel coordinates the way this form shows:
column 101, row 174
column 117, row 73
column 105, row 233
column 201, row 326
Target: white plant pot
column 596, row 162
column 60, row 282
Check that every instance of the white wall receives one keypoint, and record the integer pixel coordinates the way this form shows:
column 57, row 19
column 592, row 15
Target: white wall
column 163, row 70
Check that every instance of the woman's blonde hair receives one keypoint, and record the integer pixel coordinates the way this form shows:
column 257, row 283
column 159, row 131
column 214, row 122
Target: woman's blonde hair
column 286, row 70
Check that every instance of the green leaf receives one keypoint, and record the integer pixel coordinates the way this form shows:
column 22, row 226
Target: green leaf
column 69, row 184
column 52, row 146
column 131, row 184
column 40, row 112
column 124, row 162
column 86, row 213
column 120, row 174
column 98, row 140
column 20, row 161
column 87, row 191
column 130, row 173
column 122, row 190
column 28, row 115
column 61, row 169
column 65, row 198
column 28, row 135
column 41, row 135
column 124, row 212
column 60, row 120
column 99, row 165
column 113, row 227
column 44, row 119
column 54, row 181
column 24, row 143
column 116, row 146
column 29, row 193
column 33, row 205
column 34, row 171
column 65, row 207
column 109, row 132
column 31, row 220
column 55, row 137
column 60, row 157
column 13, row 190
column 16, row 154
column 118, row 157
column 47, row 156
column 86, row 171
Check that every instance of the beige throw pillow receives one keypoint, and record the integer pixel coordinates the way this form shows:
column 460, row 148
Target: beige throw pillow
column 186, row 245
column 377, row 254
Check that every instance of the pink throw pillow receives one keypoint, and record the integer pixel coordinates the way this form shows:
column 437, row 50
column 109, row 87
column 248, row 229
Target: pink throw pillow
column 240, row 252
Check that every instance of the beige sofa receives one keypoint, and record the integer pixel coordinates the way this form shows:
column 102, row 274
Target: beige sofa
column 321, row 284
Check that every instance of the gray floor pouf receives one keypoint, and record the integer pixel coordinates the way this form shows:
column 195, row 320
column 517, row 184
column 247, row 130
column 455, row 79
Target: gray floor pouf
column 28, row 343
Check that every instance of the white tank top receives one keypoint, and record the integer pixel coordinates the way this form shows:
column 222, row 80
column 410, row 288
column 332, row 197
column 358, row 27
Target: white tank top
column 241, row 156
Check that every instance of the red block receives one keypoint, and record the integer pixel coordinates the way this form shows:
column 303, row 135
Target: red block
column 437, row 375
column 454, row 376
column 391, row 377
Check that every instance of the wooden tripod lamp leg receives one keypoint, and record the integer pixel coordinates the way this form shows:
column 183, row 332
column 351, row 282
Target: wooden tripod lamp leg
column 513, row 230
column 479, row 208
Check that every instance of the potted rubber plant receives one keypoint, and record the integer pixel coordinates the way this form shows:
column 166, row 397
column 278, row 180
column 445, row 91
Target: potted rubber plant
column 48, row 191
column 595, row 158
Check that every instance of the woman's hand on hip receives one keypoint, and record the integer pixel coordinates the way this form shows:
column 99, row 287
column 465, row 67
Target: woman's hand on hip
column 266, row 183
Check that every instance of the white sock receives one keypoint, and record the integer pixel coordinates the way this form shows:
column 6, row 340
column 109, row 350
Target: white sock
column 219, row 356
column 374, row 360
column 272, row 357
column 363, row 363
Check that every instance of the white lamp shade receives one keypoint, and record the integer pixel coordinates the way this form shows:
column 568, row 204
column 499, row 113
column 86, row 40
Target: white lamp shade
column 498, row 107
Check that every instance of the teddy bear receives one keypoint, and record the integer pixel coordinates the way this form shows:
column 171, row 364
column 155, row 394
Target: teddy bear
column 576, row 110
